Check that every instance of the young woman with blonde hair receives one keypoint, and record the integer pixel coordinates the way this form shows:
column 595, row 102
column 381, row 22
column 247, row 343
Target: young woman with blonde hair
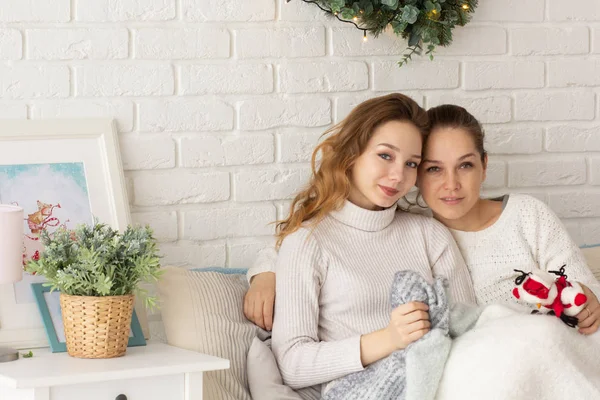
column 344, row 240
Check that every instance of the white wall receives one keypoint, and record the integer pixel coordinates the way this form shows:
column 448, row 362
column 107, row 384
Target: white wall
column 220, row 102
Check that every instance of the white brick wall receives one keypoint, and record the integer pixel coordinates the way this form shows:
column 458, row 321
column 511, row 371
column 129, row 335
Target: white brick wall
column 595, row 170
column 555, row 106
column 228, row 10
column 166, row 44
column 504, row 75
column 181, row 187
column 205, row 151
column 550, row 40
column 542, row 172
column 119, row 109
column 586, row 10
column 77, row 44
column 219, row 103
column 310, row 77
column 141, row 152
column 226, row 78
column 124, row 10
column 269, row 112
column 297, row 145
column 223, row 222
column 184, row 114
column 566, row 138
column 269, row 184
column 513, row 139
column 11, row 44
column 108, row 80
column 35, row 11
column 276, row 41
column 164, row 224
column 19, row 81
column 511, row 10
column 415, row 76
column 13, row 110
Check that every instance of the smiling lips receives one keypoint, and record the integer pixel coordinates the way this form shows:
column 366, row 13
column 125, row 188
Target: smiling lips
column 451, row 200
column 389, row 191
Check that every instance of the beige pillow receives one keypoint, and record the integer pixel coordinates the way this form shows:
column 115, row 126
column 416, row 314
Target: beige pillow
column 264, row 376
column 265, row 379
column 203, row 311
column 592, row 256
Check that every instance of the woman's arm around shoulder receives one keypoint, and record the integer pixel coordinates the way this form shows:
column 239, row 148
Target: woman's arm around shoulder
column 259, row 300
column 265, row 262
column 447, row 261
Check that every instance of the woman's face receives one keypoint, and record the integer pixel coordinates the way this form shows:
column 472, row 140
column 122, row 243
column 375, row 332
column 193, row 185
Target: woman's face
column 387, row 169
column 451, row 173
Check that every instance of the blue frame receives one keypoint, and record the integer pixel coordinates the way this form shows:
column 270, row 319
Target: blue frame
column 589, row 246
column 222, row 270
column 60, row 347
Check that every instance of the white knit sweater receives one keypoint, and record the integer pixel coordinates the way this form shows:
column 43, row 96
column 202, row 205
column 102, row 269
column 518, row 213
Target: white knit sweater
column 334, row 281
column 527, row 236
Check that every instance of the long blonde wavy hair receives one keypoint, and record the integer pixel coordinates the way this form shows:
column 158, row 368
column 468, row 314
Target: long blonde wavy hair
column 329, row 185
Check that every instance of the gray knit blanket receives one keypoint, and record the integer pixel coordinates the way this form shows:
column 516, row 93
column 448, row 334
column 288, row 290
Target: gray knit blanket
column 413, row 373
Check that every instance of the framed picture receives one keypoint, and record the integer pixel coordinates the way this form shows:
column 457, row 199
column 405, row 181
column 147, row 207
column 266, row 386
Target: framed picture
column 63, row 173
column 49, row 306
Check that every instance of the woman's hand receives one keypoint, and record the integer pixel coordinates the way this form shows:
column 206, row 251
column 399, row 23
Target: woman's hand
column 260, row 300
column 408, row 323
column 589, row 317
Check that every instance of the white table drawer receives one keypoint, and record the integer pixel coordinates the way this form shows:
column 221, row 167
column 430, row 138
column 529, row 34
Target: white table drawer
column 170, row 387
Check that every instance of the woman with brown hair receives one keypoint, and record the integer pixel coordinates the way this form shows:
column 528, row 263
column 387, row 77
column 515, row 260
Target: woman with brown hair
column 495, row 236
column 509, row 355
column 344, row 240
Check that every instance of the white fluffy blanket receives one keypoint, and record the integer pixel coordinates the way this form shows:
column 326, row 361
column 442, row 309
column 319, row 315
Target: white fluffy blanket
column 510, row 355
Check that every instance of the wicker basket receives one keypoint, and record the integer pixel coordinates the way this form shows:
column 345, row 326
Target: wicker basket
column 96, row 327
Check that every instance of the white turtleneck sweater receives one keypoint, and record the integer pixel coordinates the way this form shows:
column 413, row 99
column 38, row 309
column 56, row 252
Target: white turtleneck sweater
column 334, row 281
column 527, row 236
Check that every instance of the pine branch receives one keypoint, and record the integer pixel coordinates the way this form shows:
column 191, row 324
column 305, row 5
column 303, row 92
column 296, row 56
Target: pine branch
column 422, row 22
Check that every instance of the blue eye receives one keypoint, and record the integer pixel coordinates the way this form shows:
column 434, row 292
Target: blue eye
column 412, row 164
column 385, row 156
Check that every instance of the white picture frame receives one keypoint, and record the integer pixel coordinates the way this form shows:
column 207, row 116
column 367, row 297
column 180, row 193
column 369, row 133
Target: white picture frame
column 56, row 142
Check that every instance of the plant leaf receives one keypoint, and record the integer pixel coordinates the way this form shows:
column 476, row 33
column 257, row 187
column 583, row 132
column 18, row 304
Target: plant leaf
column 414, row 40
column 392, row 4
column 336, row 5
column 410, row 14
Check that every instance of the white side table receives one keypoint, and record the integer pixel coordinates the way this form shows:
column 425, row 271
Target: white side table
column 152, row 372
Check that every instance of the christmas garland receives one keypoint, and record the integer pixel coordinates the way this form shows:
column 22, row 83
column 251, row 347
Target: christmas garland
column 426, row 23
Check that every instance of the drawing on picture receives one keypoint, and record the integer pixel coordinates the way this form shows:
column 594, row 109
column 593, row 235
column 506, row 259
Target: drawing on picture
column 53, row 195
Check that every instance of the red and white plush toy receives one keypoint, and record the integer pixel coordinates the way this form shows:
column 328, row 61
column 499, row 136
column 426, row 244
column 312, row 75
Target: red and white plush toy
column 565, row 299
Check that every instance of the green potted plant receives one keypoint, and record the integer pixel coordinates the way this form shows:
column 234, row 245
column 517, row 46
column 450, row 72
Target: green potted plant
column 97, row 271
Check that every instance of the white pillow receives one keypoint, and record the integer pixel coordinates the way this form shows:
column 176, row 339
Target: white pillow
column 203, row 311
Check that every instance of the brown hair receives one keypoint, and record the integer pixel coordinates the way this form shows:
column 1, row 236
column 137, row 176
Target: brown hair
column 456, row 117
column 329, row 185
